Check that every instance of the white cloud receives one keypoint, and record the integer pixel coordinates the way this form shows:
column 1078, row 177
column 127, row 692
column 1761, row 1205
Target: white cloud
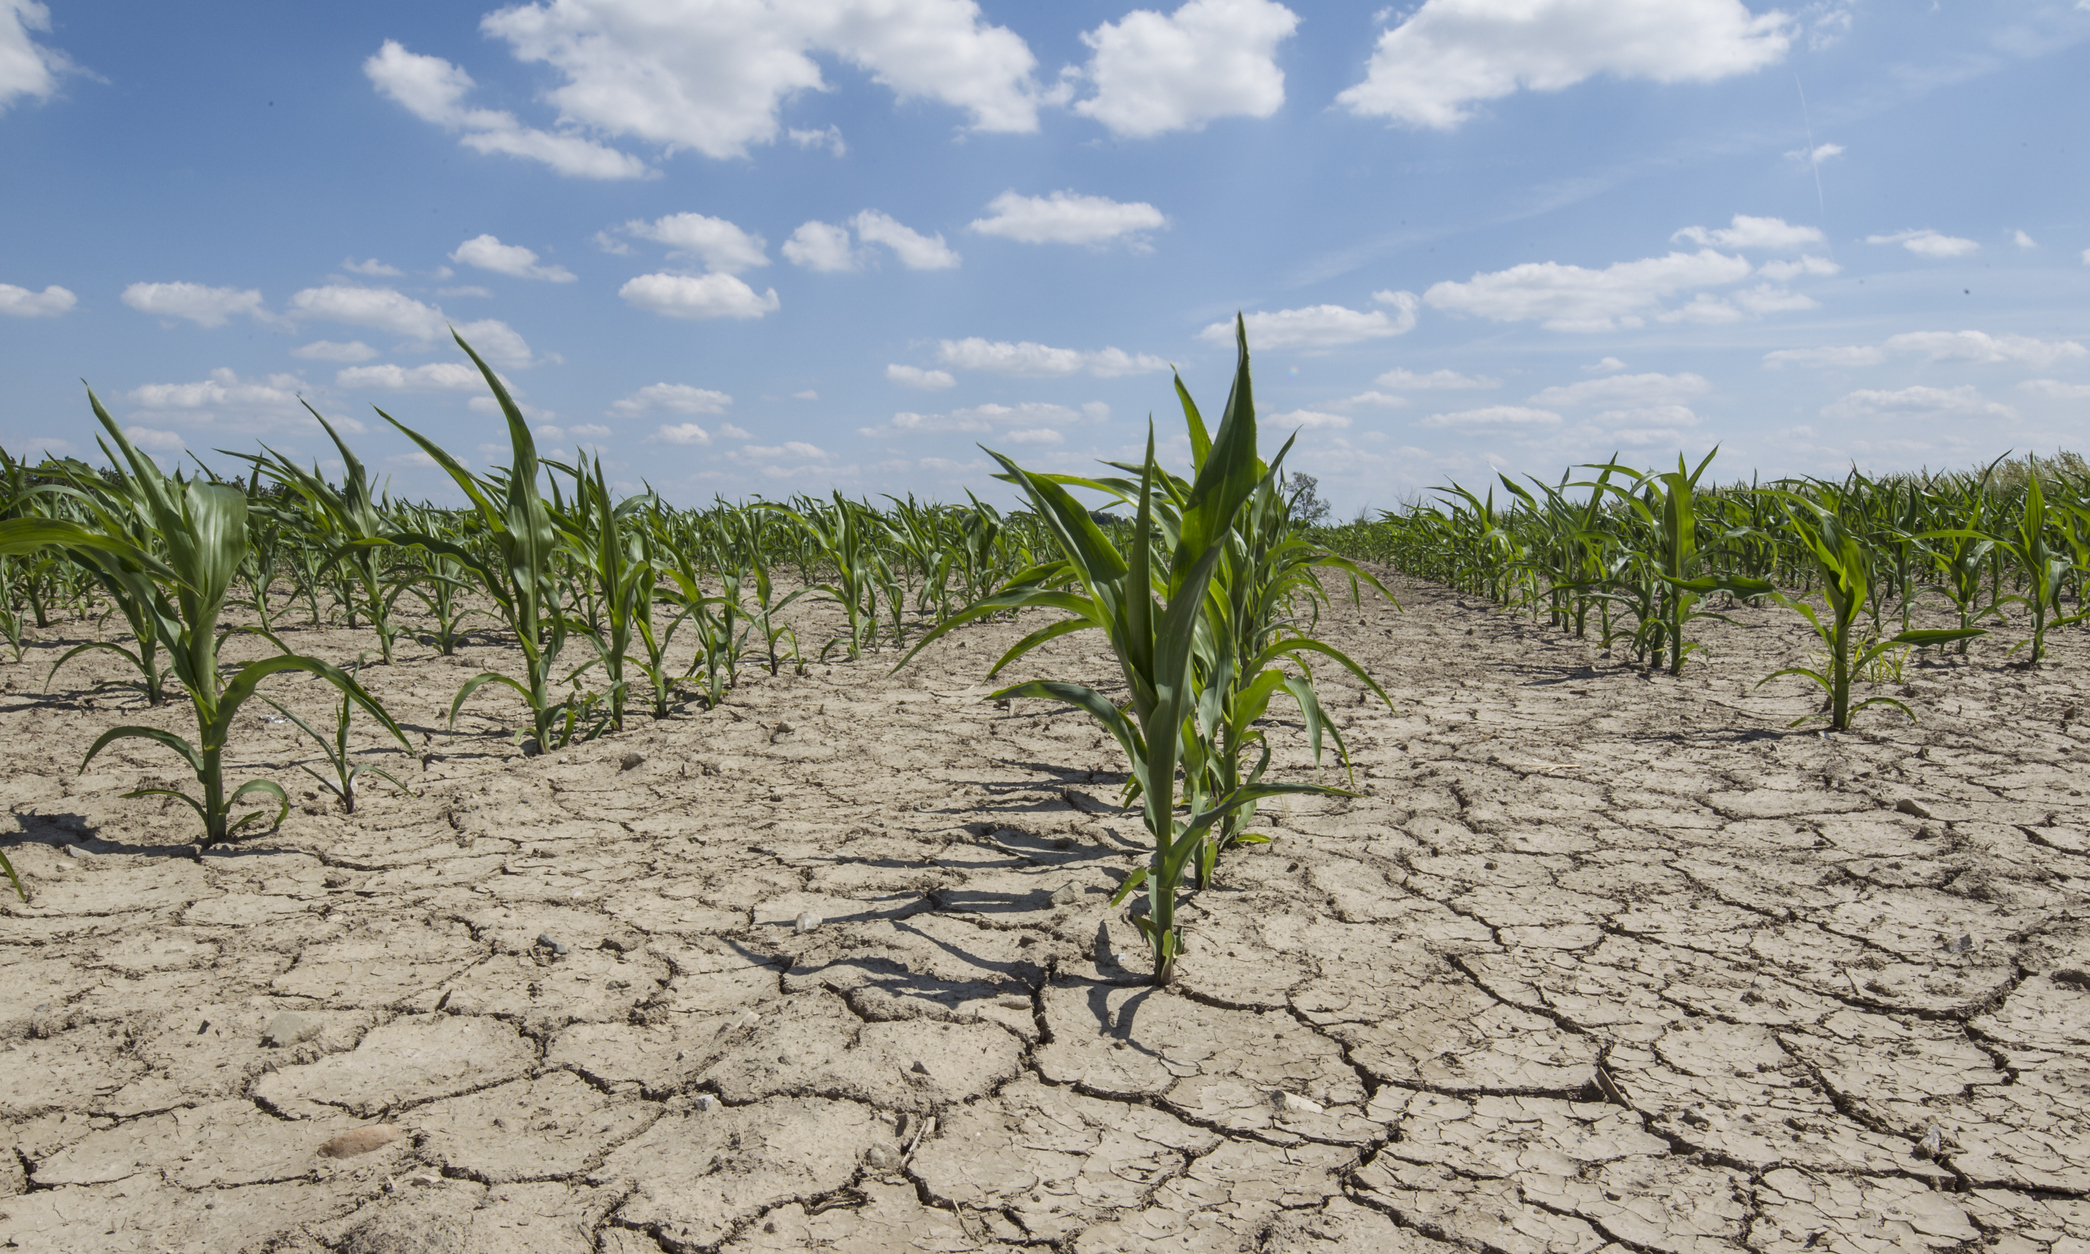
column 916, row 377
column 224, row 388
column 1785, row 271
column 1605, row 365
column 1816, row 155
column 1381, row 399
column 372, row 267
column 1156, row 73
column 2023, row 240
column 714, row 77
column 492, row 408
column 828, row 137
column 2055, row 388
column 155, row 440
column 1977, row 346
column 469, row 289
column 1030, row 416
column 1321, row 326
column 1918, row 401
column 1766, row 298
column 20, row 302
column 820, row 246
column 1435, row 380
column 204, row 306
column 433, row 90
column 1447, row 55
column 497, row 342
column 380, row 308
column 1843, row 355
column 682, row 433
column 27, row 68
column 1632, row 390
column 1572, row 298
column 436, row 376
column 723, row 247
column 1748, row 232
column 330, row 350
column 732, row 432
column 1067, row 217
column 1307, row 420
column 1492, row 418
column 1928, row 243
column 2086, row 260
column 488, row 253
column 1027, row 359
column 698, row 296
column 678, row 398
column 789, row 448
column 915, row 250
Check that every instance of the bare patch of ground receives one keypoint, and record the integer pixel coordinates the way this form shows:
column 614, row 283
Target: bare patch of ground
column 1597, row 960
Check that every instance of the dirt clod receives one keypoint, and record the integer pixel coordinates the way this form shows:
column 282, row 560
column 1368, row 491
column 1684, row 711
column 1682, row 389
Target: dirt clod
column 362, row 1140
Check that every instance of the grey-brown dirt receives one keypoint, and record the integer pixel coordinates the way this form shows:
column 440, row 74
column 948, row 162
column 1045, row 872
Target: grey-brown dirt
column 1597, row 961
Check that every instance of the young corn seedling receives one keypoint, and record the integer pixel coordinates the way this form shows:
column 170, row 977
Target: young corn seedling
column 2042, row 564
column 345, row 771
column 1845, row 568
column 201, row 531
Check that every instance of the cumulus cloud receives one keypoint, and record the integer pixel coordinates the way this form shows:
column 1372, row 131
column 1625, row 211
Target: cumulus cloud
column 1448, row 55
column 223, row 388
column 1786, row 271
column 331, row 350
column 1978, row 346
column 384, row 309
column 715, row 78
column 828, row 137
column 2023, row 240
column 1028, row 359
column 437, row 376
column 1747, row 232
column 27, row 68
column 1307, row 420
column 204, row 306
column 1322, row 326
column 679, row 398
column 1843, row 355
column 723, row 247
column 1815, row 155
column 1918, row 401
column 1067, row 217
column 1435, row 380
column 154, row 440
column 1030, row 421
column 820, row 246
column 681, row 433
column 1573, row 298
column 1381, row 399
column 433, row 90
column 20, row 302
column 2056, row 389
column 1155, row 72
column 1928, row 243
column 916, row 377
column 489, row 253
column 1638, row 391
column 1604, row 365
column 698, row 296
column 915, row 250
column 373, row 268
column 1493, row 418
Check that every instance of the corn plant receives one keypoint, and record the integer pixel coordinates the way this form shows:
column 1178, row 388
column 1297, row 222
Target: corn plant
column 615, row 569
column 844, row 536
column 1845, row 568
column 200, row 531
column 345, row 771
column 522, row 579
column 1150, row 601
column 2043, row 567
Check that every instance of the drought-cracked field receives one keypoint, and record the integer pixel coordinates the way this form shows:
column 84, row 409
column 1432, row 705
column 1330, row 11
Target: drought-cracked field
column 1596, row 961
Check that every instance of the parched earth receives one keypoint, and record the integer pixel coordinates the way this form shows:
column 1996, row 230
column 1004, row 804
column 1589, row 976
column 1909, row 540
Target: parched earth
column 1597, row 961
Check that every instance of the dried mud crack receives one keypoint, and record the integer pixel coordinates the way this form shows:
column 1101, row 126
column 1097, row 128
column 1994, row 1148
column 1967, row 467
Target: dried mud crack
column 1595, row 961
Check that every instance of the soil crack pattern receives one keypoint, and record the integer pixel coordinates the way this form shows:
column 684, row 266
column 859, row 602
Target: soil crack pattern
column 1593, row 961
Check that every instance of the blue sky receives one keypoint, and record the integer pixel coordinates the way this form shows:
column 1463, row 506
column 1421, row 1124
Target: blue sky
column 779, row 246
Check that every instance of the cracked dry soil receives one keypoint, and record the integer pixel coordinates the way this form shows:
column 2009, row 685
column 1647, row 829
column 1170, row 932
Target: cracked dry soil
column 1597, row 962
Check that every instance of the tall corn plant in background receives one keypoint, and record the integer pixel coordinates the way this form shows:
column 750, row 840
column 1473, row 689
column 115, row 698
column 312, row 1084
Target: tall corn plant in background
column 200, row 532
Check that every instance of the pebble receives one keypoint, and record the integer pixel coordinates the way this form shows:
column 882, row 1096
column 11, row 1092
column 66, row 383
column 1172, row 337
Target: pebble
column 1066, row 896
column 545, row 939
column 290, row 1028
column 807, row 921
column 705, row 1102
column 1293, row 1104
column 881, row 1158
column 631, row 761
column 362, row 1140
column 74, row 851
column 1913, row 808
